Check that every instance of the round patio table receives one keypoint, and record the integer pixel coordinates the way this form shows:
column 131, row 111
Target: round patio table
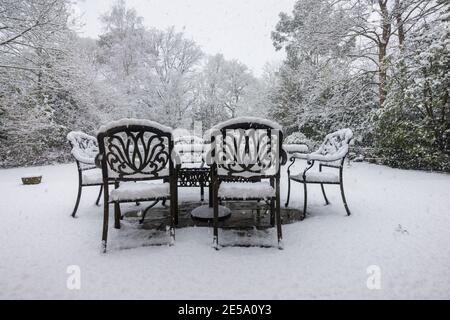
column 201, row 178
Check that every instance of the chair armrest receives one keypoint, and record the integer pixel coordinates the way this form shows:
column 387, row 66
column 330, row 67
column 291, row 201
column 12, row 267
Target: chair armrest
column 295, row 148
column 98, row 160
column 283, row 157
column 329, row 165
column 319, row 157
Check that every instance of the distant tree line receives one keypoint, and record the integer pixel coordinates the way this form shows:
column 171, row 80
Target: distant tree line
column 380, row 67
column 52, row 81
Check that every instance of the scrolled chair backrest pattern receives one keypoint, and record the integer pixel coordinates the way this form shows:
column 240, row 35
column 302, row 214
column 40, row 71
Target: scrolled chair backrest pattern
column 84, row 147
column 336, row 145
column 133, row 149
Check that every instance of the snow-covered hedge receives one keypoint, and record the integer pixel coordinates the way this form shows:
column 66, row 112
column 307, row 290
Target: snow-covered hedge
column 299, row 138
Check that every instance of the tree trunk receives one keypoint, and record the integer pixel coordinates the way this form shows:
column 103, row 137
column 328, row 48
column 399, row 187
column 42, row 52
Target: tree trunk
column 400, row 27
column 382, row 73
column 382, row 50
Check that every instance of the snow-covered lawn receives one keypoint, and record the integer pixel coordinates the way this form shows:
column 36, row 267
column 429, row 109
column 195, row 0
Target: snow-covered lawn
column 400, row 223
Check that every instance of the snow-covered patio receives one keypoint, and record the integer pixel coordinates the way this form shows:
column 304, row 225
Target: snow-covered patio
column 400, row 222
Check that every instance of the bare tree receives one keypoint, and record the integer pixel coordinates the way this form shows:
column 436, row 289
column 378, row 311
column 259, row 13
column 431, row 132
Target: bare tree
column 377, row 21
column 172, row 60
column 25, row 26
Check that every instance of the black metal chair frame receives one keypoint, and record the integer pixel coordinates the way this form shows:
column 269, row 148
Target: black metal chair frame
column 107, row 158
column 334, row 164
column 217, row 179
column 80, row 140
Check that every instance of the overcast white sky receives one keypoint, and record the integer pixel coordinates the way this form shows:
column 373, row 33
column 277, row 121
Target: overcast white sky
column 240, row 29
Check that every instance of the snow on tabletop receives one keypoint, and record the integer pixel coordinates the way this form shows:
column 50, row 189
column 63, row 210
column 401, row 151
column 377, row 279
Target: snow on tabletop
column 133, row 122
column 206, row 212
column 140, row 190
column 246, row 190
column 262, row 121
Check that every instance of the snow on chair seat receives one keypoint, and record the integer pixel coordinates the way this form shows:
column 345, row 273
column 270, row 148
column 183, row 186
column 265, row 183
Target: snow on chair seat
column 92, row 177
column 246, row 190
column 317, row 177
column 130, row 191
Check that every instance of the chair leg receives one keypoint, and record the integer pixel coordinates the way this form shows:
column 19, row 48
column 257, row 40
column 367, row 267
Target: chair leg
column 216, row 217
column 210, row 196
column 173, row 218
column 99, row 196
column 278, row 216
column 78, row 201
column 272, row 213
column 343, row 199
column 202, row 193
column 105, row 219
column 305, row 201
column 289, row 193
column 175, row 204
column 117, row 213
column 324, row 194
column 279, row 232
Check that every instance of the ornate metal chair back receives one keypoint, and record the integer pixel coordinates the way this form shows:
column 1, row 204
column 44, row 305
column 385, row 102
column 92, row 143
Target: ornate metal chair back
column 247, row 150
column 136, row 152
column 84, row 148
column 336, row 145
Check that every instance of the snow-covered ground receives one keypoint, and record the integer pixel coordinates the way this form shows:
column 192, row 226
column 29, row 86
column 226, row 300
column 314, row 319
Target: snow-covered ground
column 400, row 223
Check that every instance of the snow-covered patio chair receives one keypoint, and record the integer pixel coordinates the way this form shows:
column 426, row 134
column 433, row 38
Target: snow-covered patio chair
column 247, row 154
column 84, row 150
column 331, row 154
column 136, row 156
